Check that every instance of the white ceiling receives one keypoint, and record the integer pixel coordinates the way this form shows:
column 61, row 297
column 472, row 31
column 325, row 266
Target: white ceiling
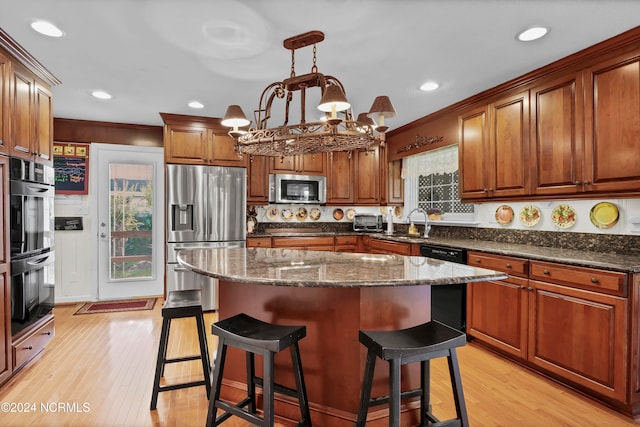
column 157, row 55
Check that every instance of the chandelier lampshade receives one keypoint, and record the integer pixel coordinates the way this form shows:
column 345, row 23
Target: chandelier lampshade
column 338, row 133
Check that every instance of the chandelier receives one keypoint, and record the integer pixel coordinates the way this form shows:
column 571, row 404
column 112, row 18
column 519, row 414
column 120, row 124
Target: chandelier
column 340, row 131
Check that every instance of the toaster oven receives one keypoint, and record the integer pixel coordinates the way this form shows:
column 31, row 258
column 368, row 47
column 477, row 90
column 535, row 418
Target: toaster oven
column 367, row 222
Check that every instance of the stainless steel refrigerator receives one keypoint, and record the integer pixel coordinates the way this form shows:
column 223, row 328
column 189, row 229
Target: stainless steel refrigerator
column 206, row 207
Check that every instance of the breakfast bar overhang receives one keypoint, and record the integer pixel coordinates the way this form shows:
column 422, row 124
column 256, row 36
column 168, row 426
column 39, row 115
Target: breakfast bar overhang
column 335, row 295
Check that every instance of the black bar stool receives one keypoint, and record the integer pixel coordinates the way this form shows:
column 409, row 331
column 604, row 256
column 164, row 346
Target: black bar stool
column 257, row 337
column 417, row 344
column 186, row 303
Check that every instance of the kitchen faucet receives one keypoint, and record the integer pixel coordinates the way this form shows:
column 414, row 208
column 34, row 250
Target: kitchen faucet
column 427, row 226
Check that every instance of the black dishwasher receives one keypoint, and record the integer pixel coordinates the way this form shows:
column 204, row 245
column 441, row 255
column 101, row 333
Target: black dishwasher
column 448, row 302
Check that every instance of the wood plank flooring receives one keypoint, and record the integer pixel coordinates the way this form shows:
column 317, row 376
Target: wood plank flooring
column 98, row 371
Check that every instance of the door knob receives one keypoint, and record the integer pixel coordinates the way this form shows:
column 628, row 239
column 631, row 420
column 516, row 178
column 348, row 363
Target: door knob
column 103, row 234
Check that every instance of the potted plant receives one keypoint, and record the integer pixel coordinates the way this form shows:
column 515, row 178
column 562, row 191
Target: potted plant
column 434, row 214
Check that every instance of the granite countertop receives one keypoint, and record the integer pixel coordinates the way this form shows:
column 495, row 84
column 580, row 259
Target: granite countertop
column 583, row 258
column 287, row 267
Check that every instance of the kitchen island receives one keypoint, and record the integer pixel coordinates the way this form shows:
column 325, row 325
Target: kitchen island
column 334, row 295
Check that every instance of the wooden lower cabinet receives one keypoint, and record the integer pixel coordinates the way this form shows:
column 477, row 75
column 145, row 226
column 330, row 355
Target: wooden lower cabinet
column 572, row 324
column 310, row 243
column 29, row 345
column 346, row 244
column 258, row 242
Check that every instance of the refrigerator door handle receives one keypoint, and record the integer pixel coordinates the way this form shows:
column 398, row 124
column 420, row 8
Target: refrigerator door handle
column 180, row 269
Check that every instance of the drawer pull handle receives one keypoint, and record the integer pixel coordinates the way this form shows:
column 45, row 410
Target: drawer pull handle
column 478, row 260
column 29, row 347
column 46, row 333
column 508, row 265
column 546, row 271
column 594, row 280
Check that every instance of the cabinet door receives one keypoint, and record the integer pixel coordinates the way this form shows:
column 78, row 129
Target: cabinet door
column 257, row 180
column 509, row 142
column 367, row 177
column 5, row 79
column 557, row 136
column 497, row 314
column 395, row 183
column 340, row 178
column 186, row 144
column 22, row 90
column 579, row 335
column 285, row 164
column 312, row 164
column 473, row 154
column 224, row 153
column 612, row 134
column 43, row 108
column 6, row 363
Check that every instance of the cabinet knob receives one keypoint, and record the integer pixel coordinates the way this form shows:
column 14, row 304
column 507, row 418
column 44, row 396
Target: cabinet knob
column 577, row 183
column 594, row 280
column 508, row 265
column 485, row 190
column 529, row 288
column 478, row 260
column 490, row 189
column 522, row 287
column 29, row 347
column 586, row 183
column 545, row 271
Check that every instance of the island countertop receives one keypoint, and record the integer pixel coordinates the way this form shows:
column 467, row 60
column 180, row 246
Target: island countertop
column 288, row 267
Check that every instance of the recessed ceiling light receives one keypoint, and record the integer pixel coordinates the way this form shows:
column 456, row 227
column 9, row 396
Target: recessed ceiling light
column 533, row 33
column 428, row 86
column 100, row 94
column 47, row 28
column 196, row 104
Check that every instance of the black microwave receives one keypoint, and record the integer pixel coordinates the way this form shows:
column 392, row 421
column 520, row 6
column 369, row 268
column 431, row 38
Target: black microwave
column 297, row 189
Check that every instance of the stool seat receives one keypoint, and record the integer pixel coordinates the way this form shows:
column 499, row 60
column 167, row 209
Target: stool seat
column 180, row 304
column 244, row 329
column 257, row 337
column 420, row 343
column 430, row 337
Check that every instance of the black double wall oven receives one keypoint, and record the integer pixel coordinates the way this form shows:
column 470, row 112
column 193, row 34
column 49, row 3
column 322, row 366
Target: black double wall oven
column 32, row 246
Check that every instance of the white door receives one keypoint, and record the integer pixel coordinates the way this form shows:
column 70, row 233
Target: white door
column 130, row 223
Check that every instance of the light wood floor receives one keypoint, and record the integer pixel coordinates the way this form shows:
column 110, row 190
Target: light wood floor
column 100, row 368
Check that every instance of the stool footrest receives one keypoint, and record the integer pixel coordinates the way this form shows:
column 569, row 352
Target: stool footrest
column 381, row 400
column 182, row 359
column 231, row 409
column 181, row 385
column 278, row 388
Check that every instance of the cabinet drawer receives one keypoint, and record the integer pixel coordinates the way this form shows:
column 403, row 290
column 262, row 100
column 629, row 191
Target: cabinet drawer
column 307, row 242
column 26, row 348
column 383, row 246
column 346, row 240
column 610, row 282
column 258, row 242
column 510, row 265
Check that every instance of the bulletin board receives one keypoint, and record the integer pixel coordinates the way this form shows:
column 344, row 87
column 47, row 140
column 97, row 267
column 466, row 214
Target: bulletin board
column 71, row 165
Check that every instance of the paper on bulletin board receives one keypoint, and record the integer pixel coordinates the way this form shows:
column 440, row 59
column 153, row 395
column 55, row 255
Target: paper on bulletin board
column 71, row 165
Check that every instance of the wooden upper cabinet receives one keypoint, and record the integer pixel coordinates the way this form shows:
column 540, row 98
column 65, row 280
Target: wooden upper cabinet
column 391, row 181
column 557, row 136
column 340, row 174
column 197, row 140
column 612, row 131
column 473, row 137
column 494, row 149
column 367, row 177
column 257, row 180
column 43, row 108
column 5, row 79
column 304, row 164
column 22, row 93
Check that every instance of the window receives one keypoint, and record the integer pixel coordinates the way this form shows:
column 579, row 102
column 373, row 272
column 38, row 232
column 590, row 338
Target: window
column 432, row 180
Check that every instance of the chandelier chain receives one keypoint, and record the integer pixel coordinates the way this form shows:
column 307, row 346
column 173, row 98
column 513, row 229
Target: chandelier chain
column 293, row 63
column 314, row 67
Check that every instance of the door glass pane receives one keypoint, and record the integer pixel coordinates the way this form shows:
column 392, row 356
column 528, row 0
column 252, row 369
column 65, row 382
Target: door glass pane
column 131, row 219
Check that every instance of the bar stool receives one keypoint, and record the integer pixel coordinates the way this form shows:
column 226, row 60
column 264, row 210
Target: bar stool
column 257, row 337
column 417, row 344
column 185, row 303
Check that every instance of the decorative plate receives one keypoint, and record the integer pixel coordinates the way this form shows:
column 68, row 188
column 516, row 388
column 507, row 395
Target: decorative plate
column 397, row 211
column 314, row 214
column 350, row 214
column 272, row 213
column 504, row 214
column 301, row 214
column 530, row 215
column 286, row 214
column 563, row 216
column 604, row 215
column 338, row 214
